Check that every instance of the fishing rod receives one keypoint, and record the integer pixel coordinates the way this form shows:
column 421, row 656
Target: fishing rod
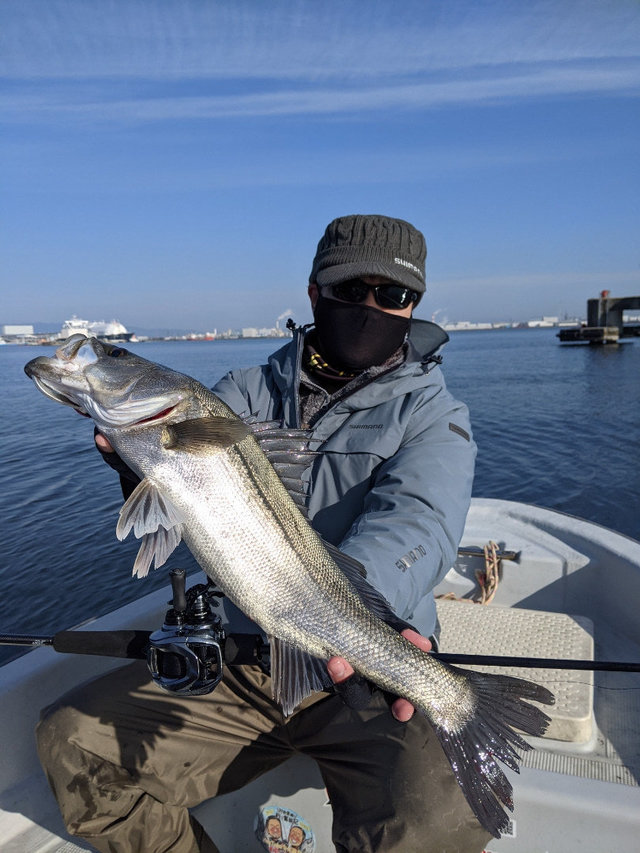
column 537, row 663
column 243, row 649
column 186, row 656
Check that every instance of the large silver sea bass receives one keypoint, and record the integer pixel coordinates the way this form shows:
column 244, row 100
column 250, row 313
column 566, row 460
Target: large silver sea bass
column 206, row 479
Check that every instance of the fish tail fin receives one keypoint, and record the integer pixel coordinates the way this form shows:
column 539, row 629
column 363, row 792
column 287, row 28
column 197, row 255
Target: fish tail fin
column 489, row 736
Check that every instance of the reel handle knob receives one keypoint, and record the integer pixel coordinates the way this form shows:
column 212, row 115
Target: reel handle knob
column 178, row 585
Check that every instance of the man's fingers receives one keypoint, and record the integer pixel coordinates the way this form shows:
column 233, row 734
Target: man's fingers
column 103, row 444
column 354, row 690
column 402, row 710
column 339, row 670
column 417, row 639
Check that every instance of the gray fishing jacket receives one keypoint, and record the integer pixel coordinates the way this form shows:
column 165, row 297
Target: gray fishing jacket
column 392, row 483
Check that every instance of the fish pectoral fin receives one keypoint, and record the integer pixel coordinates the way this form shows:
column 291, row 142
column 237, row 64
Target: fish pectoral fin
column 205, row 435
column 295, row 675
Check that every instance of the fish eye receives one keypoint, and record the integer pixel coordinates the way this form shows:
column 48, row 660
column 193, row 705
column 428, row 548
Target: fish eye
column 116, row 352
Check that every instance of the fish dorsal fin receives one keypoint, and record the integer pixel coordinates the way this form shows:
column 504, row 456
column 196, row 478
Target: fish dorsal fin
column 290, row 451
column 295, row 675
column 205, row 435
column 356, row 573
column 349, row 565
column 154, row 519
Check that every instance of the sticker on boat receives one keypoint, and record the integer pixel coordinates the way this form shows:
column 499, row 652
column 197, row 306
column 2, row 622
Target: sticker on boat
column 281, row 830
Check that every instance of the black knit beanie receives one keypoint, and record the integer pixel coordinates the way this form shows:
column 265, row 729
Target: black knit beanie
column 358, row 245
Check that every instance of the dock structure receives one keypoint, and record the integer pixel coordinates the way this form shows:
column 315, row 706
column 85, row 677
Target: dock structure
column 605, row 321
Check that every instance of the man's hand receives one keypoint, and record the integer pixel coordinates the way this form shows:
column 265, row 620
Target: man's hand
column 340, row 671
column 128, row 478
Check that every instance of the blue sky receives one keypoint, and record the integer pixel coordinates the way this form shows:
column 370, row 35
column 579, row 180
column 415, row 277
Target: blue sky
column 173, row 163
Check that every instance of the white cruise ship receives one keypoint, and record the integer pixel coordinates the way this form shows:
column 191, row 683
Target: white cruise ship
column 113, row 330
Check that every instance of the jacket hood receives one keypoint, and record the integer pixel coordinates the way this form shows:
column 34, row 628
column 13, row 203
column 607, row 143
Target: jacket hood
column 418, row 370
column 426, row 338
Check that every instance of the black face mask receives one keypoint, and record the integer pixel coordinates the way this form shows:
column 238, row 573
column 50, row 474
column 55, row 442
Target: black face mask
column 355, row 337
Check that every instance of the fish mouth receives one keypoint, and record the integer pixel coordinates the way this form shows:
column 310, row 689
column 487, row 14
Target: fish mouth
column 53, row 394
column 71, row 347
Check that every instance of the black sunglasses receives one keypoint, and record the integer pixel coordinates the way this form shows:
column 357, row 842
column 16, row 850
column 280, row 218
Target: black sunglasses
column 394, row 296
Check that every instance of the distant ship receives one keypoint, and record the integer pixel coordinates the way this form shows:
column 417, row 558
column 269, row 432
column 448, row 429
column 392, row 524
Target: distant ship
column 112, row 331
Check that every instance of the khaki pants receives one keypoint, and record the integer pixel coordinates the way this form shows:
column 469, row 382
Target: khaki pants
column 126, row 761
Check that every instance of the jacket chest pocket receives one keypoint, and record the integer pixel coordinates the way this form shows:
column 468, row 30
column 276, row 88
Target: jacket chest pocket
column 360, row 433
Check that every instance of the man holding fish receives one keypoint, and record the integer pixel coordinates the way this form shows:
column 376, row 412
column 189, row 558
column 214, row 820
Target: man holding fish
column 389, row 488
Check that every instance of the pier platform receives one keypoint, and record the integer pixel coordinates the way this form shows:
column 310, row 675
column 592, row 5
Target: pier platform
column 590, row 334
column 605, row 321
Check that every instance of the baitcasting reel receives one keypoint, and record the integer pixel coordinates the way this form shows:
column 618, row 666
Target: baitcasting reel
column 186, row 655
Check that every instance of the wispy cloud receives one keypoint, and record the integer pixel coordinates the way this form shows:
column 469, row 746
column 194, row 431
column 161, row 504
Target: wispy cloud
column 544, row 81
column 146, row 61
column 303, row 39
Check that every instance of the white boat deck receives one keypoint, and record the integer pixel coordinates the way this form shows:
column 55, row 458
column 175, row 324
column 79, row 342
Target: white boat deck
column 474, row 629
column 589, row 735
column 573, row 593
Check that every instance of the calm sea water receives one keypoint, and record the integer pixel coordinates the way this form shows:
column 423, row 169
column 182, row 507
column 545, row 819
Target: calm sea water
column 556, row 426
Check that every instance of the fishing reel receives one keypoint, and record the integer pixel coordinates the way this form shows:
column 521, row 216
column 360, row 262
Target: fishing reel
column 186, row 655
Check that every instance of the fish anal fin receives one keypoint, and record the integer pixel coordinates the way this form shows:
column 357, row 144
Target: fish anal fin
column 210, row 434
column 295, row 675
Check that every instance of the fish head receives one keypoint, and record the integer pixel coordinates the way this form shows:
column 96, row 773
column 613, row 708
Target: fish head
column 115, row 387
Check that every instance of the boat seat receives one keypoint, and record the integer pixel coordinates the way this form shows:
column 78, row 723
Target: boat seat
column 469, row 628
